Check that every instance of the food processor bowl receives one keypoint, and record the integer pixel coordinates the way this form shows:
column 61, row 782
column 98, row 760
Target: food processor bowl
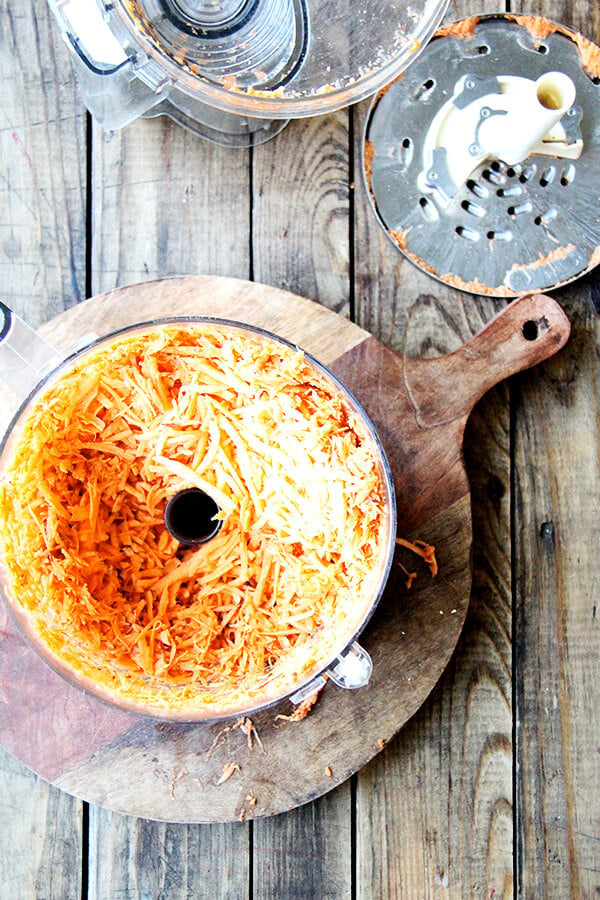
column 235, row 71
column 82, row 591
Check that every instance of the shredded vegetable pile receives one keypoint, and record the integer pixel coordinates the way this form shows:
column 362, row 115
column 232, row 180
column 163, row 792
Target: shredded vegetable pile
column 105, row 587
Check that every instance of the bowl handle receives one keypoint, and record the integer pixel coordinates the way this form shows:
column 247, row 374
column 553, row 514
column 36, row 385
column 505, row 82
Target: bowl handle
column 25, row 357
column 351, row 670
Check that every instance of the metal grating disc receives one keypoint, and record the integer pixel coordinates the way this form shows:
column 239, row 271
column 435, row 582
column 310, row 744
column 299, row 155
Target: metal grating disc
column 509, row 229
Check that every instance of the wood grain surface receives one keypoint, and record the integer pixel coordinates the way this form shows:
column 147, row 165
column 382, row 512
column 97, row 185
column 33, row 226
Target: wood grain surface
column 455, row 806
column 172, row 772
column 556, row 627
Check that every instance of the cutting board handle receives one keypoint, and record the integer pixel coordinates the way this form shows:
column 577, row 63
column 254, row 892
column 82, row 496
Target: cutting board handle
column 529, row 330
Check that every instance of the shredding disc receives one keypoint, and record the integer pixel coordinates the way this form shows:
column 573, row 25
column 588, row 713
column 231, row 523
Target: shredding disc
column 508, row 229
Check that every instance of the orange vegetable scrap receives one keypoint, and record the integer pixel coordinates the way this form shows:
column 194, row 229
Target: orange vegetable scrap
column 219, row 737
column 177, row 776
column 228, row 770
column 425, row 551
column 122, row 607
column 249, row 729
column 303, row 709
column 410, row 576
column 246, row 726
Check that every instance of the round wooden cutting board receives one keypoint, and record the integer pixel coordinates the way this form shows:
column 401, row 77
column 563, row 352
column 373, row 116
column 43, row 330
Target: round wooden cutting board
column 175, row 772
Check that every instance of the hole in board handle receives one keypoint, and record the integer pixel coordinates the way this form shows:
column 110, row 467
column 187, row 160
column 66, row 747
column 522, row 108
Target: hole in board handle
column 530, row 330
column 534, row 327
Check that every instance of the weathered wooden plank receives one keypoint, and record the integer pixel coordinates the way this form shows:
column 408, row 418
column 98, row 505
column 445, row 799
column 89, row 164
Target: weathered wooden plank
column 306, row 853
column 557, row 622
column 434, row 811
column 40, row 837
column 300, row 211
column 132, row 857
column 300, row 230
column 43, row 158
column 165, row 203
column 42, row 270
column 557, row 573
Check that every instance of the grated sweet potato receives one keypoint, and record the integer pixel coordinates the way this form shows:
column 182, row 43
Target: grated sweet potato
column 103, row 585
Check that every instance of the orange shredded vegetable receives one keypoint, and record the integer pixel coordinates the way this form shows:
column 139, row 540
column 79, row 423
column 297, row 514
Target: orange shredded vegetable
column 425, row 551
column 410, row 576
column 103, row 585
column 228, row 770
column 303, row 709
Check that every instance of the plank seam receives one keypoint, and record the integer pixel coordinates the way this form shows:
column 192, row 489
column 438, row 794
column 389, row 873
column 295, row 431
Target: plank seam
column 352, row 175
column 250, row 860
column 251, row 214
column 514, row 635
column 88, row 206
column 353, row 837
column 85, row 848
column 85, row 809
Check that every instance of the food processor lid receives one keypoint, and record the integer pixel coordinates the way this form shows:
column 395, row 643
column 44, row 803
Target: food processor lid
column 275, row 58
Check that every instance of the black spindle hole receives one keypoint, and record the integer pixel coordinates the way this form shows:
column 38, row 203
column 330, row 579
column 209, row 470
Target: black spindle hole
column 190, row 516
